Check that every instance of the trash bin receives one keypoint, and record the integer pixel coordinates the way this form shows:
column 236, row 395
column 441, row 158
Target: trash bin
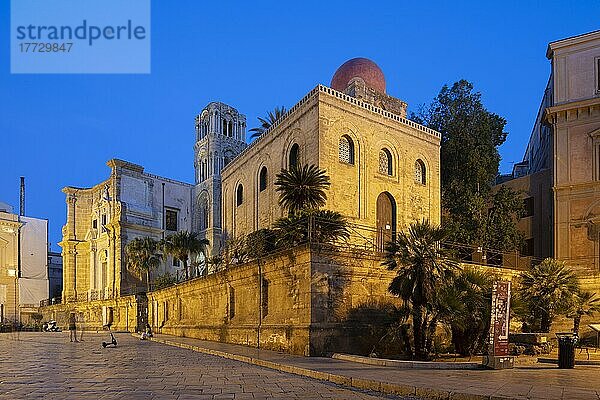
column 566, row 349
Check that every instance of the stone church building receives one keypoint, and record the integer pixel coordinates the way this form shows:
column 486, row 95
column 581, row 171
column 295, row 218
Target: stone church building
column 384, row 171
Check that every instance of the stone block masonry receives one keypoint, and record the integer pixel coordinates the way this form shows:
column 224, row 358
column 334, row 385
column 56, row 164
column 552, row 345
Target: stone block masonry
column 296, row 301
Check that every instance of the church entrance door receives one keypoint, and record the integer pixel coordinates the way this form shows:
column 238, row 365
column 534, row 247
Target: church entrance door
column 386, row 220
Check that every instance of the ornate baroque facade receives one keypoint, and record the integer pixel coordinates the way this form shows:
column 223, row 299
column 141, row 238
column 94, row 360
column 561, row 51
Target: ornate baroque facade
column 102, row 219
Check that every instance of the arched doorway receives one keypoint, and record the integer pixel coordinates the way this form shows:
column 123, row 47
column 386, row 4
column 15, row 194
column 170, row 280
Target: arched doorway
column 386, row 220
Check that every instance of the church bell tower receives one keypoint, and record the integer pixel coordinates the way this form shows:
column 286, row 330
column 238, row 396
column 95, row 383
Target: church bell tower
column 220, row 137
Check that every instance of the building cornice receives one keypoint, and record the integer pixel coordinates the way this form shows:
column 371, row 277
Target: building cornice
column 552, row 113
column 571, row 41
column 342, row 96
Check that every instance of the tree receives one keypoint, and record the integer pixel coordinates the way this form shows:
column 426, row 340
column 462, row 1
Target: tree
column 315, row 226
column 143, row 255
column 266, row 123
column 547, row 290
column 469, row 156
column 181, row 244
column 464, row 304
column 421, row 266
column 585, row 304
column 302, row 188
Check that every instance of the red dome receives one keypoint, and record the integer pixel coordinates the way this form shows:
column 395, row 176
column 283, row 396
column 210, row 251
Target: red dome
column 362, row 68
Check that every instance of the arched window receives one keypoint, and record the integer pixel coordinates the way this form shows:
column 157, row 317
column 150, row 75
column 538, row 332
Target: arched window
column 385, row 162
column 294, row 156
column 420, row 173
column 346, row 150
column 262, row 179
column 239, row 195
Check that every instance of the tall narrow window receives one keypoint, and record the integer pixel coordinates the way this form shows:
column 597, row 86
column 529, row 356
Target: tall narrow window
column 420, row 173
column 346, row 147
column 294, row 156
column 597, row 157
column 385, row 162
column 598, row 74
column 239, row 195
column 262, row 179
column 171, row 220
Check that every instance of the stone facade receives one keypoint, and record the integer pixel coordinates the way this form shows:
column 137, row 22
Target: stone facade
column 9, row 292
column 574, row 118
column 102, row 219
column 24, row 278
column 371, row 155
column 220, row 137
column 302, row 301
column 560, row 172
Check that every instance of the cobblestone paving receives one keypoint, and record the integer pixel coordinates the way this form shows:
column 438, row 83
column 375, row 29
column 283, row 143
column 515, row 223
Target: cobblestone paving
column 47, row 365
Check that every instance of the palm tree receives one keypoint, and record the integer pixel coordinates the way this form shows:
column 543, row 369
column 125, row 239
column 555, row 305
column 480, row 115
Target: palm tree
column 143, row 255
column 422, row 267
column 548, row 290
column 315, row 226
column 181, row 244
column 302, row 188
column 586, row 303
column 464, row 304
column 266, row 123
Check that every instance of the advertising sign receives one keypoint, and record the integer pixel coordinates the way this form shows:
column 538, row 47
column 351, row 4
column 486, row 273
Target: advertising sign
column 500, row 319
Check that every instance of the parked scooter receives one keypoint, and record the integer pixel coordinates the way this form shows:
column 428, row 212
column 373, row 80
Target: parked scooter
column 50, row 326
column 113, row 341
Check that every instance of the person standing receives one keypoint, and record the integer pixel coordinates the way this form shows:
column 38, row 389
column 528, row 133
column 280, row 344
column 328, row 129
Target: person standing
column 73, row 328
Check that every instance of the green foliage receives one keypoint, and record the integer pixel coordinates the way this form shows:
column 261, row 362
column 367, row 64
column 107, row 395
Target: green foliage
column 464, row 303
column 164, row 281
column 469, row 156
column 547, row 290
column 315, row 226
column 235, row 251
column 584, row 304
column 181, row 244
column 422, row 266
column 261, row 242
column 143, row 256
column 302, row 188
column 266, row 123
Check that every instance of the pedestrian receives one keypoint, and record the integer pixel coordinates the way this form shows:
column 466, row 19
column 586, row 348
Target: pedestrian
column 73, row 328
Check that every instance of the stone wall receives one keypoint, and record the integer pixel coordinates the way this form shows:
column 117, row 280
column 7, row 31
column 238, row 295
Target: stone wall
column 313, row 301
column 89, row 314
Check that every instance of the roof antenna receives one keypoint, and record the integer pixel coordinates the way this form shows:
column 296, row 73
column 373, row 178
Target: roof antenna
column 22, row 204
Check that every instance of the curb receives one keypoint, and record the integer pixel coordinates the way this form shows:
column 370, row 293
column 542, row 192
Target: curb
column 357, row 383
column 577, row 362
column 382, row 362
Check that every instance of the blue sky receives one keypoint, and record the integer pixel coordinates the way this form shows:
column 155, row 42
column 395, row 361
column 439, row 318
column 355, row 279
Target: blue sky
column 59, row 130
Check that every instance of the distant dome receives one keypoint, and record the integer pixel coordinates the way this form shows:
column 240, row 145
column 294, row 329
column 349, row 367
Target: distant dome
column 362, row 68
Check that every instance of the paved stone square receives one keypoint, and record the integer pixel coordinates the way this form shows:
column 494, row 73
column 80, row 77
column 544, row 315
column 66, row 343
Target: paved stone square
column 47, row 365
